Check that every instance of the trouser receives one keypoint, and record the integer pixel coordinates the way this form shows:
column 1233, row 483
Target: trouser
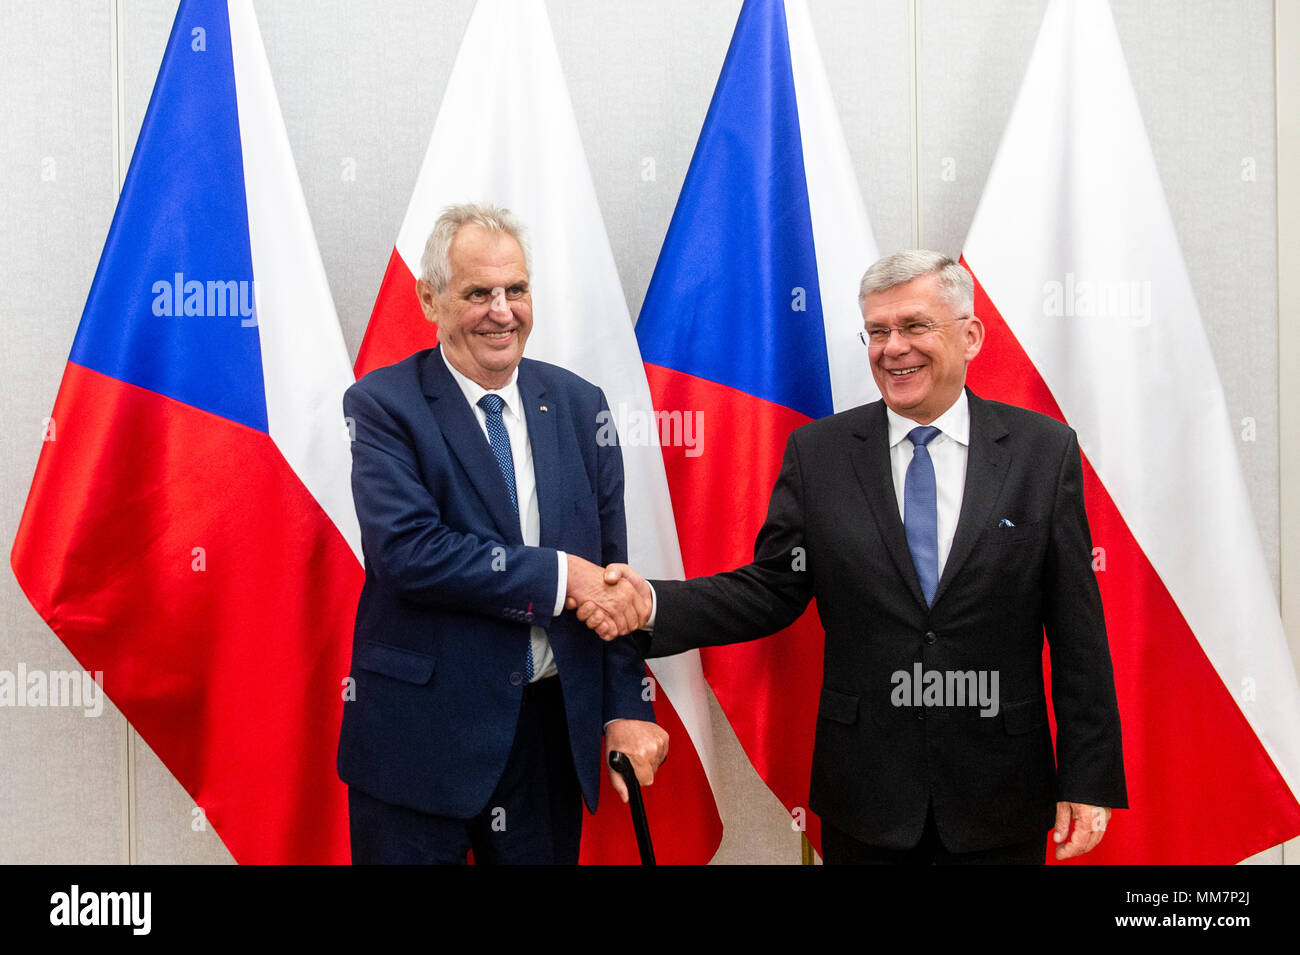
column 839, row 848
column 533, row 818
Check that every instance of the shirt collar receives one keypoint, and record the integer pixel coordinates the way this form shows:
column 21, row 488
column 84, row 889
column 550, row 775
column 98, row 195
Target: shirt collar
column 954, row 423
column 473, row 391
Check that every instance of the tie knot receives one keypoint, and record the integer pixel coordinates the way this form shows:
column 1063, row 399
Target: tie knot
column 922, row 436
column 492, row 404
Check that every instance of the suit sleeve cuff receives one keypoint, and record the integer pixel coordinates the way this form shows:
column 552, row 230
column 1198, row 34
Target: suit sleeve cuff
column 561, row 583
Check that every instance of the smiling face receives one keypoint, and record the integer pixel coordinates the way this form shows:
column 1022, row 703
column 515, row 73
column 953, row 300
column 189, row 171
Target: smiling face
column 486, row 312
column 920, row 378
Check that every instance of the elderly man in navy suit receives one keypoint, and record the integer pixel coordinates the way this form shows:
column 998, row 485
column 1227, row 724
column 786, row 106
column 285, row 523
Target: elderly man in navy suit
column 944, row 536
column 485, row 500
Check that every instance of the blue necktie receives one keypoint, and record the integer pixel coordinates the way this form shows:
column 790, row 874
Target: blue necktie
column 492, row 406
column 921, row 511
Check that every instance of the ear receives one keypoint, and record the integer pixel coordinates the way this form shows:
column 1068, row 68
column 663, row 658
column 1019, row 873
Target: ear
column 974, row 337
column 428, row 300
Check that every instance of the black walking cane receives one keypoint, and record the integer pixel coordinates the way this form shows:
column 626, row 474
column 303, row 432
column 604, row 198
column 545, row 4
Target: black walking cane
column 623, row 766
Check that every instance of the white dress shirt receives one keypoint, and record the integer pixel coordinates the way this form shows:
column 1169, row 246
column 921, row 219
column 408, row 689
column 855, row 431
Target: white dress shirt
column 530, row 522
column 948, row 452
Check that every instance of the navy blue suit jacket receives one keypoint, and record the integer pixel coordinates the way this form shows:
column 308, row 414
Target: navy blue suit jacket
column 451, row 591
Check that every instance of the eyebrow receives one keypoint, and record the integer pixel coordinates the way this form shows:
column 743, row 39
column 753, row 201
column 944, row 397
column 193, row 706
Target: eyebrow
column 913, row 317
column 470, row 289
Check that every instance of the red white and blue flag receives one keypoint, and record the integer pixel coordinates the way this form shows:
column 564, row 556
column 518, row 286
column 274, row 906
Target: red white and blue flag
column 190, row 530
column 527, row 155
column 751, row 322
column 1091, row 318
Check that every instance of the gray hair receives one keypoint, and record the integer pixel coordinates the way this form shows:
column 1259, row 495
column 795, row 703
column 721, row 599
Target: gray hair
column 902, row 267
column 435, row 263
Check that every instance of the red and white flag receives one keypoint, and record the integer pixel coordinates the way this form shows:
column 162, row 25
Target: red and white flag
column 1091, row 319
column 507, row 135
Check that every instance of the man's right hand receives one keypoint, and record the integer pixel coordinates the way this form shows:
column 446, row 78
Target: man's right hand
column 603, row 623
column 607, row 603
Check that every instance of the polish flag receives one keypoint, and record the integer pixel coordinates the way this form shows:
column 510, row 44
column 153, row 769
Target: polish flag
column 751, row 322
column 1091, row 319
column 508, row 136
column 190, row 529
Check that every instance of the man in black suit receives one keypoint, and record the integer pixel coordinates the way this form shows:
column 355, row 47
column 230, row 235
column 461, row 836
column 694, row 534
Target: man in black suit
column 941, row 535
column 485, row 496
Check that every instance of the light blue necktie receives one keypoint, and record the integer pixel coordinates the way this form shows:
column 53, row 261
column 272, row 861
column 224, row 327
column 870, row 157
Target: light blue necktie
column 921, row 511
column 492, row 406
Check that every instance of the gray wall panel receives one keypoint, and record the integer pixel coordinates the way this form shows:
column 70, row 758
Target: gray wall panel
column 867, row 50
column 973, row 55
column 168, row 831
column 61, row 793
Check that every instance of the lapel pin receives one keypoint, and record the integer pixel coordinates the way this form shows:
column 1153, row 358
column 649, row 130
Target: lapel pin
column 543, row 407
column 1005, row 523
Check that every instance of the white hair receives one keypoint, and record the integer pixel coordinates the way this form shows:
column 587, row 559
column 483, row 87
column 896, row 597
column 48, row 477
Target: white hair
column 902, row 267
column 435, row 263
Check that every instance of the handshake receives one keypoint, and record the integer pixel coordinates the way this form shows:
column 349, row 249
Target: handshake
column 612, row 601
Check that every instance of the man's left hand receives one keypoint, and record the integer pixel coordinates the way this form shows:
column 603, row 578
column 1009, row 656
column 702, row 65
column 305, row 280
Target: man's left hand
column 1089, row 826
column 645, row 743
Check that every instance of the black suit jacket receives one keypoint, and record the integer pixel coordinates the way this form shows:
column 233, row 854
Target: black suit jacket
column 877, row 766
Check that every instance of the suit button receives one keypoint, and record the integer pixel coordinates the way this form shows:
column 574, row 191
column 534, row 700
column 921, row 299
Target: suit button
column 930, row 638
column 920, row 714
column 516, row 679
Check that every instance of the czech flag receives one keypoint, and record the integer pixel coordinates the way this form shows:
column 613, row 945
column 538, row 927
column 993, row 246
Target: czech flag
column 1091, row 318
column 190, row 529
column 751, row 323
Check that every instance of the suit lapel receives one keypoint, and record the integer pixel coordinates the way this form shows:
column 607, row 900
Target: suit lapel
column 547, row 460
column 460, row 429
column 986, row 468
column 870, row 457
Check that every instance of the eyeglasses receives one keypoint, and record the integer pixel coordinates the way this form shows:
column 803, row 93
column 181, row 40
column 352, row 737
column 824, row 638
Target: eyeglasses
column 912, row 331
